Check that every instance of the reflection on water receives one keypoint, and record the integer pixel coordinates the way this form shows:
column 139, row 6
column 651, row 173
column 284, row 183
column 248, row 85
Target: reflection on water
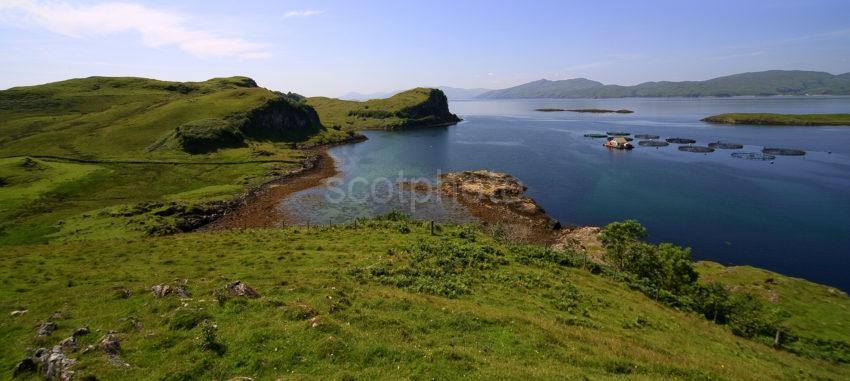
column 791, row 215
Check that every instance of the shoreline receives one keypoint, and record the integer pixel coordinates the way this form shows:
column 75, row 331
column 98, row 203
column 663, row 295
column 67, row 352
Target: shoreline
column 259, row 207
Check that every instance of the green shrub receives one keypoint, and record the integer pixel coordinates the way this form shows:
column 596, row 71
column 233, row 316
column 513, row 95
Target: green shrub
column 446, row 268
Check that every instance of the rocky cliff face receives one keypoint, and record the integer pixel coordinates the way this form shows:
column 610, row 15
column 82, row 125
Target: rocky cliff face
column 280, row 119
column 434, row 110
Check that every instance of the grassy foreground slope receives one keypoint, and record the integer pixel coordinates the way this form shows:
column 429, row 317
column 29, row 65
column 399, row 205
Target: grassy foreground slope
column 781, row 119
column 412, row 108
column 383, row 299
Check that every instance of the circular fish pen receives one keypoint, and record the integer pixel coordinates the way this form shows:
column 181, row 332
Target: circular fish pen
column 615, row 133
column 752, row 156
column 653, row 143
column 628, row 139
column 680, row 141
column 696, row 149
column 646, row 136
column 595, row 136
column 783, row 151
column 721, row 145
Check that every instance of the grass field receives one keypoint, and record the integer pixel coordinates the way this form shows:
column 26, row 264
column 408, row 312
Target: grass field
column 782, row 119
column 317, row 318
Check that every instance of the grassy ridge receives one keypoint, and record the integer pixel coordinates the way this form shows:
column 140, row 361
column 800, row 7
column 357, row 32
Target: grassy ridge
column 519, row 314
column 781, row 119
column 416, row 107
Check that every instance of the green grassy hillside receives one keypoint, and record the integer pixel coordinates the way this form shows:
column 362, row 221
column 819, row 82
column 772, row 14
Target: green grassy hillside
column 782, row 119
column 147, row 119
column 412, row 108
column 382, row 299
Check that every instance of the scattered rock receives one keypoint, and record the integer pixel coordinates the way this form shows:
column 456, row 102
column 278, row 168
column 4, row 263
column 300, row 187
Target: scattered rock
column 241, row 379
column 45, row 329
column 82, row 331
column 26, row 365
column 69, row 344
column 237, row 288
column 17, row 313
column 110, row 344
column 55, row 365
column 161, row 290
column 315, row 322
column 182, row 292
column 88, row 348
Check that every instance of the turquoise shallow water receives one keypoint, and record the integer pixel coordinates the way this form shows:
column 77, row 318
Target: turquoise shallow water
column 791, row 215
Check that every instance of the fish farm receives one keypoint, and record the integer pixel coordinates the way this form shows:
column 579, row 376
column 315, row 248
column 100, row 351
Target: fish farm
column 615, row 133
column 646, row 136
column 696, row 149
column 628, row 139
column 783, row 151
column 681, row 141
column 752, row 156
column 595, row 136
column 721, row 145
column 653, row 143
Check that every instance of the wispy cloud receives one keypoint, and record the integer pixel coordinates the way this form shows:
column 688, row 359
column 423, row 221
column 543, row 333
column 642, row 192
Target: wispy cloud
column 157, row 27
column 304, row 13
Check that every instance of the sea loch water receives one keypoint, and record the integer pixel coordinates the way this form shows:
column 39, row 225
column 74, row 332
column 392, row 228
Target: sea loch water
column 791, row 215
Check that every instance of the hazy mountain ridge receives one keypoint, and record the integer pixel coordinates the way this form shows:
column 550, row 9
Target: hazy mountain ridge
column 765, row 83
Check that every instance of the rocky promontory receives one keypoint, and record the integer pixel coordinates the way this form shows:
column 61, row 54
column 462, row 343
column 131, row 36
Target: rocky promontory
column 499, row 198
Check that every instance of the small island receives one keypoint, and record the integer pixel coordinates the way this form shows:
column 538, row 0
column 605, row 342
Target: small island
column 586, row 110
column 781, row 119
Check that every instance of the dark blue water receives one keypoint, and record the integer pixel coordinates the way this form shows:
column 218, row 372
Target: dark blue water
column 791, row 215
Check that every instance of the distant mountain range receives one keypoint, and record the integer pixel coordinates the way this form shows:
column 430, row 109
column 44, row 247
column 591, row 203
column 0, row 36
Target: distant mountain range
column 452, row 93
column 765, row 83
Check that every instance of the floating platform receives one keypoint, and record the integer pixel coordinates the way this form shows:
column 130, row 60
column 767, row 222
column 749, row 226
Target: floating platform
column 628, row 139
column 752, row 156
column 721, row 145
column 680, row 141
column 653, row 143
column 783, row 151
column 646, row 136
column 595, row 136
column 696, row 149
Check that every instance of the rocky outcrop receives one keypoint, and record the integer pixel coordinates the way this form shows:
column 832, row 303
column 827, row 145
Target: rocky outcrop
column 433, row 110
column 499, row 198
column 237, row 288
column 281, row 119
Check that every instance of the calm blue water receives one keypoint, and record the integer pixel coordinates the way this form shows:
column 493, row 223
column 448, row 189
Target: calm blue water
column 790, row 216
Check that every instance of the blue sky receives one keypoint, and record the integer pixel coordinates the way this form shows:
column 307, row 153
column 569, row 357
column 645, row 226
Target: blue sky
column 333, row 47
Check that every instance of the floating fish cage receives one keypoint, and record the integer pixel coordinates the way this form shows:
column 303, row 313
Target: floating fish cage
column 752, row 156
column 628, row 139
column 646, row 136
column 615, row 133
column 653, row 143
column 783, row 151
column 595, row 136
column 720, row 145
column 696, row 149
column 681, row 141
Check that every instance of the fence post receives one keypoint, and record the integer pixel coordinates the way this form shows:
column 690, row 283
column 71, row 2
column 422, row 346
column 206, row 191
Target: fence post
column 432, row 227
